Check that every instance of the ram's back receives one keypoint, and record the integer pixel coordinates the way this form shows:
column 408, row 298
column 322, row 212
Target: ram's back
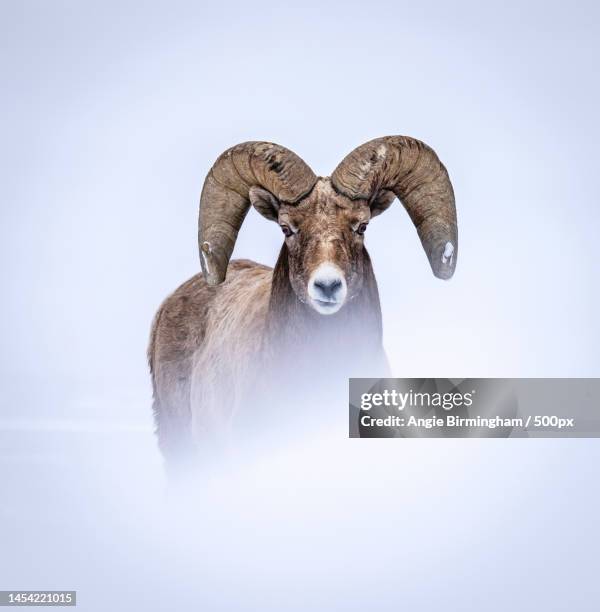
column 197, row 323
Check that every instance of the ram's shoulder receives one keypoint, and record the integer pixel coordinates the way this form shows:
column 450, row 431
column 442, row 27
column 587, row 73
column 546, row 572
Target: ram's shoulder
column 236, row 321
column 242, row 300
column 195, row 308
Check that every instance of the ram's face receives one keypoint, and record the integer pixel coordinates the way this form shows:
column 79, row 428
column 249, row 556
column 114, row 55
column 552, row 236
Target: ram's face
column 324, row 234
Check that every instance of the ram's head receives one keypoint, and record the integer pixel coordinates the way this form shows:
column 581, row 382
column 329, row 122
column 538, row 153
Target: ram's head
column 324, row 219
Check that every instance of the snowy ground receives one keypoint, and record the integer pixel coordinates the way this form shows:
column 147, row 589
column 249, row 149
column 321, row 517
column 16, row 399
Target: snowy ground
column 329, row 523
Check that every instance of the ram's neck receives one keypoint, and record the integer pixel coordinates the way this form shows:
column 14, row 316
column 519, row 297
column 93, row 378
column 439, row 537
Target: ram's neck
column 294, row 328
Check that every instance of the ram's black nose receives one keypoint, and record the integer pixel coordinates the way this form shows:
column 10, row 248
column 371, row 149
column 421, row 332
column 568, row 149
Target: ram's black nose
column 328, row 288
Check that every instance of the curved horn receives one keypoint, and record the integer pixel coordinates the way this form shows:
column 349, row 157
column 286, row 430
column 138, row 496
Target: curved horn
column 224, row 201
column 412, row 170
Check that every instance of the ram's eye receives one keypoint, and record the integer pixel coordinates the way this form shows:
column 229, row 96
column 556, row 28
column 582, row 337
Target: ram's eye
column 287, row 230
column 361, row 229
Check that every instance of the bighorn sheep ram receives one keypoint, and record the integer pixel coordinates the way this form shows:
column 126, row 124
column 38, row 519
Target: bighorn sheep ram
column 222, row 334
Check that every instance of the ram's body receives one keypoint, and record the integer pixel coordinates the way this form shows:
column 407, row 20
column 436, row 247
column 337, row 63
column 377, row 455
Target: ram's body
column 217, row 351
column 242, row 333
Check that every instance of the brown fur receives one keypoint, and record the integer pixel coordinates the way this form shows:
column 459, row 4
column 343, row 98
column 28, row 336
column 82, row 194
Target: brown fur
column 211, row 346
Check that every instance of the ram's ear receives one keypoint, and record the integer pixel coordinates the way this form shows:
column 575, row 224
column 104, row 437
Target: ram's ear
column 382, row 201
column 265, row 202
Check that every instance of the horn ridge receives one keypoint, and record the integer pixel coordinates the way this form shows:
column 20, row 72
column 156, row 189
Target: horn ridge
column 224, row 201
